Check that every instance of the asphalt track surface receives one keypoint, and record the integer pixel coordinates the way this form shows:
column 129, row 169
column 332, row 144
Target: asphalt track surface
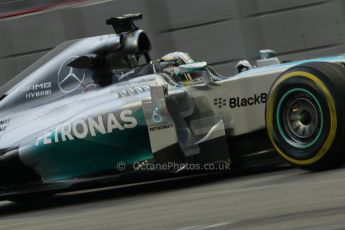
column 265, row 199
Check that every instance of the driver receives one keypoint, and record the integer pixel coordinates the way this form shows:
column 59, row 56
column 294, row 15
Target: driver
column 172, row 60
column 167, row 64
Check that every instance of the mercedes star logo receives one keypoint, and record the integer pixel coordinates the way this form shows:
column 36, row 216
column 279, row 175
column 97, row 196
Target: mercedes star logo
column 70, row 78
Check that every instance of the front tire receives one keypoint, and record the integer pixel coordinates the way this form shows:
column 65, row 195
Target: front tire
column 305, row 113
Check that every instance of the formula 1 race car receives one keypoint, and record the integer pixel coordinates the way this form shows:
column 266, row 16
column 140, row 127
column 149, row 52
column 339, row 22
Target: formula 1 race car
column 95, row 109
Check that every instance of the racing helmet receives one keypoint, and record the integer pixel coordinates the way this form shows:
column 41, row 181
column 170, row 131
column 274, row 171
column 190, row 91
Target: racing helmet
column 180, row 58
column 176, row 59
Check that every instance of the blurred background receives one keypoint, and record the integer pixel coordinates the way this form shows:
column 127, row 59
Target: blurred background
column 220, row 32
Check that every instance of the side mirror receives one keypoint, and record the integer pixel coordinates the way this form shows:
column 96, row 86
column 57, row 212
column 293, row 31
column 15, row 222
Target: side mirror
column 266, row 54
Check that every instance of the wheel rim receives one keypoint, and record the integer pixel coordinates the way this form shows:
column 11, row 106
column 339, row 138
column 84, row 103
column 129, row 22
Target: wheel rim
column 300, row 118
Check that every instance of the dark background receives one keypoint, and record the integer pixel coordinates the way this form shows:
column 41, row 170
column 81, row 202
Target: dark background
column 220, row 32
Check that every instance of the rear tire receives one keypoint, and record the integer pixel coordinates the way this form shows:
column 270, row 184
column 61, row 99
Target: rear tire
column 305, row 115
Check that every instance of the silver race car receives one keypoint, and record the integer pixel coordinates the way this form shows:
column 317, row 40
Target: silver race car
column 96, row 109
